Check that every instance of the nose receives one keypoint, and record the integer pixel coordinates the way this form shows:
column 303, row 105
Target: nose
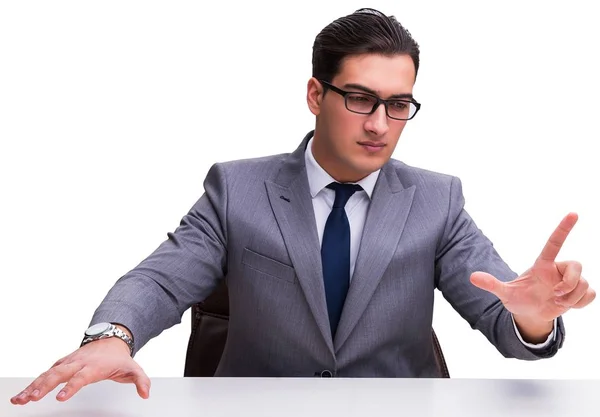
column 377, row 123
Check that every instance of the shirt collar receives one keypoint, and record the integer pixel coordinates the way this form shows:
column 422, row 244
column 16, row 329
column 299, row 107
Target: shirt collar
column 318, row 178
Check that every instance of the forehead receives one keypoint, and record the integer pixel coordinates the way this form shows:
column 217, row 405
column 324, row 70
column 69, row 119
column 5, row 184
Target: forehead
column 387, row 75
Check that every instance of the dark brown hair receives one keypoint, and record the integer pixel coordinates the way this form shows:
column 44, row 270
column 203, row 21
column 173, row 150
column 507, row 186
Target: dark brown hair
column 362, row 32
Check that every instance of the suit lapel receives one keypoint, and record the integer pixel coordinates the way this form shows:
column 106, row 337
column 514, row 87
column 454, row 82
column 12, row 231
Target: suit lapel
column 388, row 211
column 289, row 195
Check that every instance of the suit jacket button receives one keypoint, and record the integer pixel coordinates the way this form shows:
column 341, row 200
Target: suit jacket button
column 326, row 374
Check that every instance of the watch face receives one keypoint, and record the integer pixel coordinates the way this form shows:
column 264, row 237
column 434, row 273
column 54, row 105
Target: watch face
column 97, row 329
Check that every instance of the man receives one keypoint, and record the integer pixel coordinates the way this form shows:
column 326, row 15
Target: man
column 332, row 253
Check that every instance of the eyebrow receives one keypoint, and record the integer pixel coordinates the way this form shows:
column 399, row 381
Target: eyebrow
column 371, row 91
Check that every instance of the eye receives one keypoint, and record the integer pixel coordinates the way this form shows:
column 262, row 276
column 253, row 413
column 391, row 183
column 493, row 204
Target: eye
column 399, row 105
column 360, row 99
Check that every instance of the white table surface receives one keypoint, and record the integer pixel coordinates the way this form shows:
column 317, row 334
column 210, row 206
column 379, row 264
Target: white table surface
column 211, row 397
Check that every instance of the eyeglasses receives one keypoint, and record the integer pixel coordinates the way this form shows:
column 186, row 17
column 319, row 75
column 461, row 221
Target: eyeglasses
column 364, row 103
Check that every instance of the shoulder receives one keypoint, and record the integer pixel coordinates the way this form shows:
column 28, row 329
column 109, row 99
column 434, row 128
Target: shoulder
column 248, row 170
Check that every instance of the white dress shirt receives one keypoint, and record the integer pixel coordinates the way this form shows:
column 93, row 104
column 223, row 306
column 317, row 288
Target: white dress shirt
column 356, row 211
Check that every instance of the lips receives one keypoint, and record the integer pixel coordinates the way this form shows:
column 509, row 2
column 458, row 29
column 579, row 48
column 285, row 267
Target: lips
column 372, row 147
column 372, row 144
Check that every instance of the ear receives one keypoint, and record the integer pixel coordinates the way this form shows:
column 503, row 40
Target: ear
column 314, row 96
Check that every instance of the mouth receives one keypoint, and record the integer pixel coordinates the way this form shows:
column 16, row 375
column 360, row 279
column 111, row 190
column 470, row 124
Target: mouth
column 372, row 146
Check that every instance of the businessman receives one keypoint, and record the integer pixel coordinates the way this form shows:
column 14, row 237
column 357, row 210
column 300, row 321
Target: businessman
column 331, row 253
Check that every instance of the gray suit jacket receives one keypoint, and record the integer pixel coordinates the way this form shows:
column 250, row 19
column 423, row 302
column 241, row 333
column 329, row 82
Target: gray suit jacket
column 254, row 226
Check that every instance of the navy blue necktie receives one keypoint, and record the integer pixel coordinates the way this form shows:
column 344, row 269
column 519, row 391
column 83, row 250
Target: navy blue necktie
column 335, row 253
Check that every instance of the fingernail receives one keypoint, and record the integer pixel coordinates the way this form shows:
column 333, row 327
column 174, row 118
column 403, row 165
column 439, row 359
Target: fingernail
column 35, row 393
column 61, row 394
column 23, row 394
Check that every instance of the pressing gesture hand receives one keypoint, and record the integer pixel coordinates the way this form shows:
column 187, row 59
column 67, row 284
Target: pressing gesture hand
column 546, row 290
column 106, row 359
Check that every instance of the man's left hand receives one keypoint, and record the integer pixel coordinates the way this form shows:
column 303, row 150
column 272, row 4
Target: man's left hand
column 546, row 290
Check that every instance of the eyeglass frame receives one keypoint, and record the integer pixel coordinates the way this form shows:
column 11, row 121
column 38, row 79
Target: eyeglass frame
column 378, row 102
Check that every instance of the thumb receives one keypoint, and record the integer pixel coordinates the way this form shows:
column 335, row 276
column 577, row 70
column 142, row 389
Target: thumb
column 489, row 283
column 142, row 383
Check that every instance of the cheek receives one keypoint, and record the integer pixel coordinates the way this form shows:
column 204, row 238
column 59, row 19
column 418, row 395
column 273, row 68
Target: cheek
column 398, row 127
column 345, row 129
column 344, row 120
column 352, row 127
column 337, row 121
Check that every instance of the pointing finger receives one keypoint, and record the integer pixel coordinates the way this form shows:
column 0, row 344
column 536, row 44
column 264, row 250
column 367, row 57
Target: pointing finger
column 558, row 237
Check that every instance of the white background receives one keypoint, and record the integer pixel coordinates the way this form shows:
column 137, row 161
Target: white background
column 111, row 114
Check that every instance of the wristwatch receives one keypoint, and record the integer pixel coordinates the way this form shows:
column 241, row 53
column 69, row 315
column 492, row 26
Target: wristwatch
column 105, row 330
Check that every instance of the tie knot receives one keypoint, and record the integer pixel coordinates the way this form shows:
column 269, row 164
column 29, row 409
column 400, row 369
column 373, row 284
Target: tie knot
column 343, row 192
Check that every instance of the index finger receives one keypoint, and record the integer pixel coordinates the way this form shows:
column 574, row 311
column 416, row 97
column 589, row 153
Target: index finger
column 558, row 237
column 45, row 383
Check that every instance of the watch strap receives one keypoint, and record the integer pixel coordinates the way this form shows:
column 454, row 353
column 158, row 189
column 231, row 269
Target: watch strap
column 113, row 331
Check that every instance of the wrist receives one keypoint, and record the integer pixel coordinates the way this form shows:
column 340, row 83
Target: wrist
column 124, row 329
column 106, row 330
column 533, row 330
column 123, row 342
column 113, row 341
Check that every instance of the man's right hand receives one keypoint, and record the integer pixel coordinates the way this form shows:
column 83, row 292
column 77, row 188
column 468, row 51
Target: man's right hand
column 106, row 359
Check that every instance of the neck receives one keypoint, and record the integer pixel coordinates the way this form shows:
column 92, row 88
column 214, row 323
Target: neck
column 324, row 158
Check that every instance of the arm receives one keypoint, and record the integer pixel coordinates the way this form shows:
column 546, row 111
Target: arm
column 183, row 270
column 148, row 299
column 464, row 249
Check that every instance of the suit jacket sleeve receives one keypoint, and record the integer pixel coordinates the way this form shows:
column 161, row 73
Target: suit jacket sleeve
column 464, row 249
column 182, row 271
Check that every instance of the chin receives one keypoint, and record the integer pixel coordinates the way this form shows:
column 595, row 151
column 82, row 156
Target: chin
column 373, row 164
column 367, row 169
